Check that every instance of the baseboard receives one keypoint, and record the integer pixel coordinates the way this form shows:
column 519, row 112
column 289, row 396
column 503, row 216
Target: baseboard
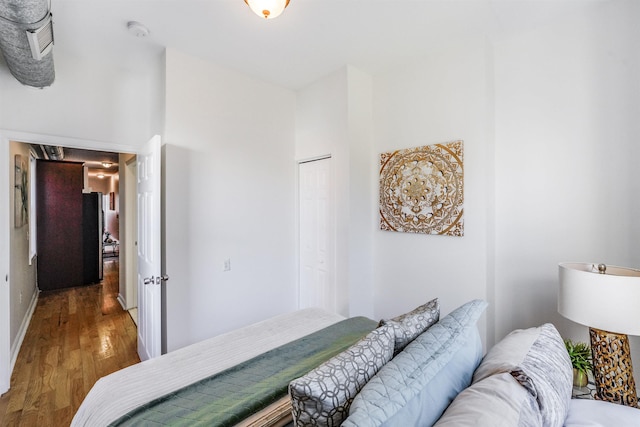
column 122, row 302
column 17, row 344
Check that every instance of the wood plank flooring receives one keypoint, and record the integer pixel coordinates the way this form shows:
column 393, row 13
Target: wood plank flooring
column 76, row 336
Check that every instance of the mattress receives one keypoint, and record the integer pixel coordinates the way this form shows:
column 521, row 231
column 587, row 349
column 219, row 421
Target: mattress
column 228, row 397
column 121, row 392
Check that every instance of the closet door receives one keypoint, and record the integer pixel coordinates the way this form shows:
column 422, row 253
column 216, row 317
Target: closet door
column 59, row 222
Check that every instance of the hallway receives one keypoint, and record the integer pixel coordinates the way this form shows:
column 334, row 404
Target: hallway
column 76, row 336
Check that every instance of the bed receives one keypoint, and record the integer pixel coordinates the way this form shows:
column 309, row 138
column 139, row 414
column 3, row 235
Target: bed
column 114, row 397
column 416, row 369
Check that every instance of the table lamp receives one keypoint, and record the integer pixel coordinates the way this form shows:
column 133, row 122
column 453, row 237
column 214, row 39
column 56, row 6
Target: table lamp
column 607, row 300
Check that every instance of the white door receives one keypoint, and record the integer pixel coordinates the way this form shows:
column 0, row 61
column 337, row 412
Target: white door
column 317, row 286
column 149, row 267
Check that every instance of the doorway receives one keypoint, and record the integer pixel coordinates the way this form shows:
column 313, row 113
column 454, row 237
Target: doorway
column 10, row 341
column 316, row 213
column 79, row 203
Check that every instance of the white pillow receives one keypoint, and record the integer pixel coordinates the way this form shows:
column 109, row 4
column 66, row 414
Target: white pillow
column 497, row 401
column 538, row 359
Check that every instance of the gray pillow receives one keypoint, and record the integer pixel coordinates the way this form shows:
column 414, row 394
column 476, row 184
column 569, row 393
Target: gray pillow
column 497, row 401
column 538, row 360
column 409, row 325
column 323, row 396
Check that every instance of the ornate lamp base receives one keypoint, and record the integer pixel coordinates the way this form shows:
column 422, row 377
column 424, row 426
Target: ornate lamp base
column 612, row 369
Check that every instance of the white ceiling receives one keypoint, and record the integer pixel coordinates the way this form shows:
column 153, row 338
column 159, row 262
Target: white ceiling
column 309, row 40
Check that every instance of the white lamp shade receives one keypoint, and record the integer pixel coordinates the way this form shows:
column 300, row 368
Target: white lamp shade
column 268, row 9
column 610, row 301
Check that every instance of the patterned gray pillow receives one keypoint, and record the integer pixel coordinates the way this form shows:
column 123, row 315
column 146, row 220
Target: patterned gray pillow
column 408, row 326
column 323, row 396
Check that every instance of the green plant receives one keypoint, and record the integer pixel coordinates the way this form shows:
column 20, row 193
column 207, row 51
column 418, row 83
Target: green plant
column 580, row 355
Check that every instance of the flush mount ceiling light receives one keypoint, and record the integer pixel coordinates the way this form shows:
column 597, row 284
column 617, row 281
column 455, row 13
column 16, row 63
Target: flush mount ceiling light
column 267, row 9
column 107, row 164
column 100, row 175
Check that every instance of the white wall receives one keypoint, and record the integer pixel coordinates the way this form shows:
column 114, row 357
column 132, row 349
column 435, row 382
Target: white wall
column 549, row 120
column 87, row 101
column 333, row 117
column 362, row 193
column 99, row 185
column 442, row 99
column 229, row 176
column 633, row 40
column 5, row 265
column 23, row 273
column 634, row 111
column 566, row 159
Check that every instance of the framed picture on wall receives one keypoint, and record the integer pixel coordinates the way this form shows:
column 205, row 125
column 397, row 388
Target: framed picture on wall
column 112, row 201
column 21, row 195
column 422, row 189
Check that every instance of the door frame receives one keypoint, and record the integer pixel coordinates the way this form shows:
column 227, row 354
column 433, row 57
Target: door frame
column 7, row 360
column 131, row 232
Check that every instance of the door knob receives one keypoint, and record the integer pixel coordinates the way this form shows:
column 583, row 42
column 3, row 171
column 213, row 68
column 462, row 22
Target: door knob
column 161, row 278
column 148, row 280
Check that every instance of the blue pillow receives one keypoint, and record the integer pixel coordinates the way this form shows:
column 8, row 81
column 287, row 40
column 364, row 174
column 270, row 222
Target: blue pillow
column 419, row 383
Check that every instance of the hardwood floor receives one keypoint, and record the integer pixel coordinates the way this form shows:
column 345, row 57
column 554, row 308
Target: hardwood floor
column 75, row 337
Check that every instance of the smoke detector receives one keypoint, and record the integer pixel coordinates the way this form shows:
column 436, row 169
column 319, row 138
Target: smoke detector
column 137, row 29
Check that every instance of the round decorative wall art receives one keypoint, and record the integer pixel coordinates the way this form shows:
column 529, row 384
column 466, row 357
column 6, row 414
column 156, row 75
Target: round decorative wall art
column 422, row 189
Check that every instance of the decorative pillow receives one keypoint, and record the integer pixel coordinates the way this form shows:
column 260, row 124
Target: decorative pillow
column 409, row 325
column 538, row 360
column 323, row 396
column 497, row 401
column 416, row 386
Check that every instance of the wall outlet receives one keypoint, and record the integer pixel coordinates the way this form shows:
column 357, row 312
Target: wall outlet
column 20, row 297
column 227, row 265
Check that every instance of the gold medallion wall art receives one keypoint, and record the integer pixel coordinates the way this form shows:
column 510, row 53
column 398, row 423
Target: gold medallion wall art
column 422, row 190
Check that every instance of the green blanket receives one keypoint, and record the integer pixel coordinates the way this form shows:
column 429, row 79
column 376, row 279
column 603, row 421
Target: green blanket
column 230, row 396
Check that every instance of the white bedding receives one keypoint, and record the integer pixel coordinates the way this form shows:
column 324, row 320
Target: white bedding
column 596, row 413
column 119, row 393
